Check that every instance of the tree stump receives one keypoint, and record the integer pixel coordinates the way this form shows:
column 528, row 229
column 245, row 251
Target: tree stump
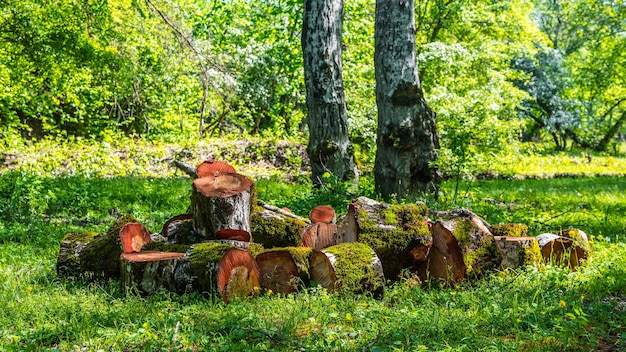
column 284, row 270
column 274, row 229
column 92, row 255
column 518, row 251
column 445, row 259
column 391, row 230
column 560, row 250
column 148, row 271
column 319, row 235
column 348, row 267
column 221, row 201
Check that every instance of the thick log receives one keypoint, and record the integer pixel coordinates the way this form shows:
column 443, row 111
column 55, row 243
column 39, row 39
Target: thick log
column 566, row 251
column 348, row 267
column 319, row 235
column 134, row 236
column 221, row 201
column 274, row 229
column 322, row 213
column 518, row 251
column 148, row 271
column 444, row 261
column 285, row 270
column 393, row 231
column 92, row 255
column 211, row 167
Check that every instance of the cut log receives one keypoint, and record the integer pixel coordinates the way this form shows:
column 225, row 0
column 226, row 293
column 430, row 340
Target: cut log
column 509, row 230
column 232, row 234
column 92, row 255
column 179, row 229
column 148, row 271
column 518, row 251
column 445, row 258
column 348, row 267
column 322, row 213
column 480, row 252
column 274, row 229
column 134, row 236
column 391, row 230
column 221, row 201
column 559, row 250
column 211, row 167
column 284, row 270
column 319, row 235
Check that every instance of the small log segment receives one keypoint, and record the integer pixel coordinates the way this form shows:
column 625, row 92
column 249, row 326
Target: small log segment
column 221, row 201
column 284, row 270
column 319, row 235
column 134, row 236
column 518, row 251
column 218, row 268
column 444, row 260
column 323, row 213
column 568, row 251
column 348, row 267
column 275, row 229
column 92, row 255
column 179, row 229
column 148, row 271
column 393, row 231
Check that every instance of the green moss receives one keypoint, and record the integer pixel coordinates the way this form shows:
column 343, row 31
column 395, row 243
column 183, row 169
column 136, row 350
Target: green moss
column 276, row 232
column 203, row 261
column 354, row 269
column 166, row 247
column 480, row 252
column 532, row 254
column 510, row 230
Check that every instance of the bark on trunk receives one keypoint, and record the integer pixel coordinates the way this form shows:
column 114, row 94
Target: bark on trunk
column 92, row 255
column 179, row 229
column 393, row 231
column 221, row 201
column 285, row 270
column 274, row 229
column 319, row 235
column 329, row 148
column 148, row 271
column 348, row 267
column 407, row 133
column 518, row 251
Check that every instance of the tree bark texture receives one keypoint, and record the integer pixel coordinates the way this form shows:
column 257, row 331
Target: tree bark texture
column 407, row 136
column 329, row 148
column 148, row 271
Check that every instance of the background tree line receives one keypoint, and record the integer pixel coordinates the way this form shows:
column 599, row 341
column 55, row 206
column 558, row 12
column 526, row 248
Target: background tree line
column 495, row 72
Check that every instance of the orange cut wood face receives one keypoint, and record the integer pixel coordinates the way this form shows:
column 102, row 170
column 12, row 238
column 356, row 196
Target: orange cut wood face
column 210, row 167
column 134, row 236
column 322, row 213
column 222, row 185
column 151, row 256
column 232, row 234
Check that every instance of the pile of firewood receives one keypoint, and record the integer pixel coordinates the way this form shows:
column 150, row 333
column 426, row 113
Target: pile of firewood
column 231, row 244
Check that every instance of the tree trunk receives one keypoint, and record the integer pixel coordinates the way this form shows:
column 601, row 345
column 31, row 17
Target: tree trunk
column 348, row 267
column 445, row 258
column 148, row 271
column 284, row 270
column 407, row 133
column 275, row 229
column 221, row 201
column 329, row 148
column 393, row 231
column 603, row 144
column 319, row 235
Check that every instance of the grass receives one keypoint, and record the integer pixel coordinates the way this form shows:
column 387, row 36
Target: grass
column 530, row 309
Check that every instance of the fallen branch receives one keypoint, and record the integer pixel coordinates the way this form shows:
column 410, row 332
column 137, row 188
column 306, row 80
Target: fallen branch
column 372, row 343
column 457, row 213
column 281, row 211
column 188, row 169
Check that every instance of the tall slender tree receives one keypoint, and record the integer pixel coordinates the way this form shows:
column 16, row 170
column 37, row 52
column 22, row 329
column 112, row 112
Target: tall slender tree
column 407, row 136
column 329, row 148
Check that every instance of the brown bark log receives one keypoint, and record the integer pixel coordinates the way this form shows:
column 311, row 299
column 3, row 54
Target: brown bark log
column 148, row 271
column 518, row 251
column 221, row 201
column 179, row 230
column 211, row 167
column 274, row 229
column 133, row 236
column 348, row 267
column 322, row 213
column 445, row 258
column 559, row 250
column 319, row 235
column 284, row 270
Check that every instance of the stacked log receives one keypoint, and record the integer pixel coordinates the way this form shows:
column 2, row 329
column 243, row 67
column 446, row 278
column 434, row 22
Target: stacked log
column 516, row 247
column 276, row 229
column 285, row 270
column 569, row 248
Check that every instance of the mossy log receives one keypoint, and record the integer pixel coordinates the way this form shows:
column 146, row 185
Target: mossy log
column 285, row 270
column 323, row 213
column 92, row 255
column 560, row 250
column 218, row 268
column 480, row 252
column 319, row 235
column 221, row 201
column 518, row 251
column 274, row 229
column 179, row 229
column 444, row 260
column 393, row 231
column 148, row 271
column 509, row 230
column 348, row 267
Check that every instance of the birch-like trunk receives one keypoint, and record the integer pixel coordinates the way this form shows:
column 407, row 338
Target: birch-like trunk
column 407, row 136
column 329, row 148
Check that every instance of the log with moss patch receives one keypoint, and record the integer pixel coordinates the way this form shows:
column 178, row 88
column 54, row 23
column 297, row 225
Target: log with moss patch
column 518, row 251
column 393, row 231
column 285, row 270
column 571, row 251
column 148, row 271
column 509, row 230
column 274, row 229
column 444, row 261
column 92, row 255
column 348, row 267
